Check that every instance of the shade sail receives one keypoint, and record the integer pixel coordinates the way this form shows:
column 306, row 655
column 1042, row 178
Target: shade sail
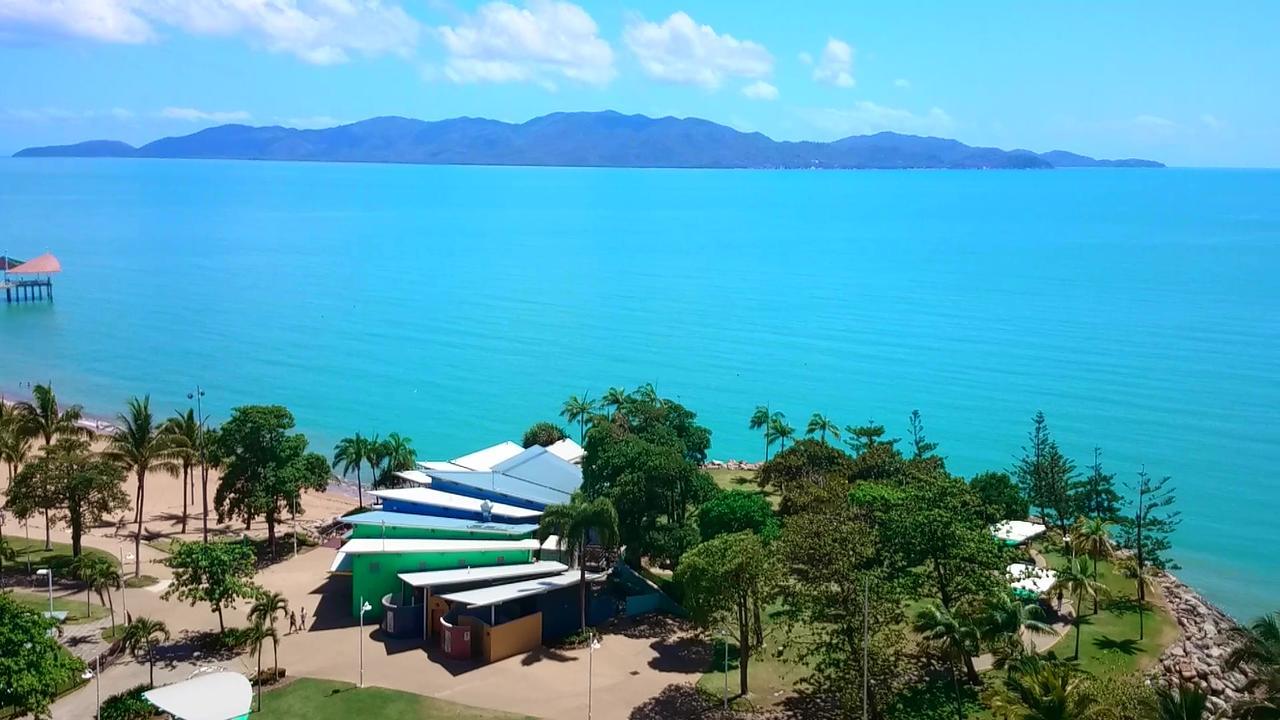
column 46, row 264
column 216, row 696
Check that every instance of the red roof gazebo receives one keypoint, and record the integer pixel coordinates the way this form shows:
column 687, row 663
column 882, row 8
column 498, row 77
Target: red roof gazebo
column 39, row 286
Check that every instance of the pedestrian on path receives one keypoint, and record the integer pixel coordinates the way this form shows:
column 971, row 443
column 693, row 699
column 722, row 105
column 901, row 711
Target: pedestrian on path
column 304, row 619
column 293, row 622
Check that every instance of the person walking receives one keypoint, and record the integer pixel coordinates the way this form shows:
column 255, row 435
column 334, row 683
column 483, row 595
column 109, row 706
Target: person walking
column 293, row 622
column 303, row 626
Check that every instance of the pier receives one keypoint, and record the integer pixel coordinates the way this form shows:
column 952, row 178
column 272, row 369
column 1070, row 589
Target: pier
column 30, row 281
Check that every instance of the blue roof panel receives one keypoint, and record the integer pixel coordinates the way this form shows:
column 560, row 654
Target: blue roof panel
column 399, row 519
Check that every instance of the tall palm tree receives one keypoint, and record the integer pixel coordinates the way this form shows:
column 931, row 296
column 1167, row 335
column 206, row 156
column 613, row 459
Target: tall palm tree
column 578, row 410
column 15, row 444
column 141, row 637
column 183, row 431
column 45, row 419
column 779, row 430
column 1258, row 649
column 952, row 638
column 1145, row 578
column 6, row 553
column 615, row 397
column 139, row 447
column 1092, row 536
column 1004, row 625
column 760, row 421
column 1183, row 703
column 397, row 451
column 575, row 523
column 1053, row 691
column 646, row 393
column 99, row 574
column 820, row 425
column 375, row 453
column 265, row 609
column 259, row 633
column 1075, row 581
column 350, row 453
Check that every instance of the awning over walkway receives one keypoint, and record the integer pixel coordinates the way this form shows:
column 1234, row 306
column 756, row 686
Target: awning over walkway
column 498, row 594
column 215, row 696
column 437, row 578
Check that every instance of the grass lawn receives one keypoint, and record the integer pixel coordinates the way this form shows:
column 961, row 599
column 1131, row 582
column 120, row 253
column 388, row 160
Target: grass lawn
column 1109, row 640
column 328, row 700
column 141, row 581
column 74, row 605
column 742, row 480
column 771, row 675
column 59, row 557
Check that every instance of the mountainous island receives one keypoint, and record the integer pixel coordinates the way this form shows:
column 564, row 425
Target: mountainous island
column 575, row 139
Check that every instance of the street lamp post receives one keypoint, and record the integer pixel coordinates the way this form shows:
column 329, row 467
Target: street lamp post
column 364, row 607
column 124, row 603
column 196, row 395
column 48, row 572
column 591, row 653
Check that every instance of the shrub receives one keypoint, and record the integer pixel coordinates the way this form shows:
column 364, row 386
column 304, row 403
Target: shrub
column 268, row 676
column 544, row 434
column 668, row 542
column 129, row 705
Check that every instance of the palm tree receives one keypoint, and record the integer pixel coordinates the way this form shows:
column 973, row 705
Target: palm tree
column 1183, row 703
column 1005, row 623
column 779, row 430
column 398, row 453
column 15, row 441
column 578, row 410
column 646, row 393
column 141, row 637
column 375, row 453
column 6, row 553
column 45, row 419
column 1144, row 577
column 99, row 574
column 615, row 397
column 264, row 611
column 1053, row 691
column 1075, row 581
column 952, row 638
column 183, row 431
column 1092, row 536
column 760, row 421
column 574, row 522
column 821, row 425
column 139, row 446
column 259, row 633
column 1258, row 648
column 350, row 453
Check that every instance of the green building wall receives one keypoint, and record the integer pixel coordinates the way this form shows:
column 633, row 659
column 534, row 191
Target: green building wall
column 421, row 533
column 374, row 575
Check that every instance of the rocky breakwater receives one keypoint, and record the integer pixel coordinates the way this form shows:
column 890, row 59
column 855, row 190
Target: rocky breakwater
column 1198, row 656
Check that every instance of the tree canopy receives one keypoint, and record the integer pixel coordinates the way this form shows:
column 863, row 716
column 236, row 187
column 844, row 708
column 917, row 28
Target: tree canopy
column 71, row 484
column 999, row 496
column 543, row 433
column 218, row 573
column 33, row 666
column 737, row 511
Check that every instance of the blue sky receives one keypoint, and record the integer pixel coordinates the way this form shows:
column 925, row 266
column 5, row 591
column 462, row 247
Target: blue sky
column 1189, row 83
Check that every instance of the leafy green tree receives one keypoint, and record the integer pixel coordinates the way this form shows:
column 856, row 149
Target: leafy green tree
column 760, row 421
column 806, row 467
column 398, row 455
column 543, row 433
column 668, row 542
column 955, row 639
column 579, row 409
column 861, row 438
column 576, row 523
column 33, row 666
column 268, row 606
column 138, row 446
column 821, row 425
column 1092, row 536
column 1096, row 496
column 183, row 433
column 1076, row 581
column 140, row 639
column 724, row 580
column 1000, row 497
column 265, row 467
column 218, row 573
column 779, row 431
column 69, row 484
column 350, row 454
column 1004, row 623
column 7, row 554
column 875, row 458
column 737, row 511
column 129, row 705
column 1147, row 533
column 44, row 418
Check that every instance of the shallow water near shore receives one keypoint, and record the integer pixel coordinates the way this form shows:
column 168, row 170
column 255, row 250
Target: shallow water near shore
column 457, row 305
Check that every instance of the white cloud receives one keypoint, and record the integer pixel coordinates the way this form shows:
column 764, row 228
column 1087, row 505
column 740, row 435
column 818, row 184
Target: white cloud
column 679, row 50
column 312, row 122
column 805, row 58
column 760, row 90
column 902, row 83
column 322, row 32
column 546, row 39
column 866, row 117
column 835, row 66
column 194, row 115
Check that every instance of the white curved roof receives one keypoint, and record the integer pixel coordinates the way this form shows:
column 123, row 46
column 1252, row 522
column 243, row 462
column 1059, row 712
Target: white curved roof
column 216, row 696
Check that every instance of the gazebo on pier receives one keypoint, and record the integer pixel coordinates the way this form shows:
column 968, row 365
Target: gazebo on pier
column 29, row 281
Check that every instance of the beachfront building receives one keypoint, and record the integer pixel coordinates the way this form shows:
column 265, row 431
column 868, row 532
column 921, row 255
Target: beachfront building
column 451, row 557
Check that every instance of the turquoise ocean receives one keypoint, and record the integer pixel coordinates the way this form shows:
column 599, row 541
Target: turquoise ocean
column 1140, row 309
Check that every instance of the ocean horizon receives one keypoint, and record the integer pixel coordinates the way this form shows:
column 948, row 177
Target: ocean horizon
column 459, row 304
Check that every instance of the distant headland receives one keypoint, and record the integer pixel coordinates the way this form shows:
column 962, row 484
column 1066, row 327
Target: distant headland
column 576, row 139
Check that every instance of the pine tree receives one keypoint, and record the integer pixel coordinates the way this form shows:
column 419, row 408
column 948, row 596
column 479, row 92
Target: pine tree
column 1096, row 496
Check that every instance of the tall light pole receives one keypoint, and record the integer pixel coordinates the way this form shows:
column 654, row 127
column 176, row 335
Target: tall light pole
column 48, row 572
column 124, row 603
column 196, row 395
column 591, row 654
column 364, row 607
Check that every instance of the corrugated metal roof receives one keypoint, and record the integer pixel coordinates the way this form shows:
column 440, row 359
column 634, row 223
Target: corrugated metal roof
column 489, row 457
column 567, row 450
column 367, row 546
column 436, row 578
column 498, row 485
column 431, row 497
column 498, row 594
column 399, row 519
column 538, row 466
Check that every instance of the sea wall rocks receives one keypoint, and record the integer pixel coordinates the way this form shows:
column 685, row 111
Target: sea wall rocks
column 1198, row 656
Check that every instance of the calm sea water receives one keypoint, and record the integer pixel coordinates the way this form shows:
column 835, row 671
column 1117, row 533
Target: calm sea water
column 1137, row 308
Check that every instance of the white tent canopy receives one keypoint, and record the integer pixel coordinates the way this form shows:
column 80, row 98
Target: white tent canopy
column 1016, row 532
column 215, row 696
column 1031, row 579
